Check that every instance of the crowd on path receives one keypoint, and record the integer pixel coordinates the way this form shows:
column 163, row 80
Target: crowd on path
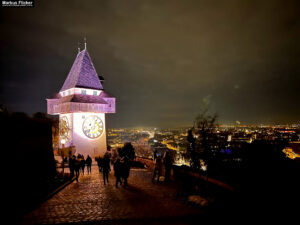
column 121, row 165
column 77, row 165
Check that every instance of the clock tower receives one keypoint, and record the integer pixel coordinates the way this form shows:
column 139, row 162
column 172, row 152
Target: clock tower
column 81, row 105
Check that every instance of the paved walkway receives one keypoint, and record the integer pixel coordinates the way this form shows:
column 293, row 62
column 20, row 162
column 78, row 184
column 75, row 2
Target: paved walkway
column 90, row 202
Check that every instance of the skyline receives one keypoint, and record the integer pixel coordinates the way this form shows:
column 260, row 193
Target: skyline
column 290, row 126
column 160, row 61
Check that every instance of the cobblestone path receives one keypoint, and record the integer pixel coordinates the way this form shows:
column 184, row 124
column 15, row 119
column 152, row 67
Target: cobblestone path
column 90, row 202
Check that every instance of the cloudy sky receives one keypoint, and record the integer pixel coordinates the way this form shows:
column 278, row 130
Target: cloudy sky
column 161, row 59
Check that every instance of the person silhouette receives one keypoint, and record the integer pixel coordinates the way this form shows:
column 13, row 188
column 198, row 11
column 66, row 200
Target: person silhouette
column 82, row 164
column 125, row 170
column 76, row 167
column 168, row 166
column 157, row 169
column 117, row 171
column 106, row 167
column 88, row 162
column 100, row 163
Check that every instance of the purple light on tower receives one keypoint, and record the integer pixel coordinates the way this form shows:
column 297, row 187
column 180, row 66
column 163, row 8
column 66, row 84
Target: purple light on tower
column 81, row 105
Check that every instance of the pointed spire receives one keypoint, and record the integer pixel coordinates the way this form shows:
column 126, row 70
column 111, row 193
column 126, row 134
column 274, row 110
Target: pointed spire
column 82, row 74
column 78, row 46
column 84, row 43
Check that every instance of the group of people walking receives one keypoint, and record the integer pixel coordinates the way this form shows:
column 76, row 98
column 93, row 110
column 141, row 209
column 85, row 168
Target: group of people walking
column 77, row 165
column 121, row 168
column 104, row 166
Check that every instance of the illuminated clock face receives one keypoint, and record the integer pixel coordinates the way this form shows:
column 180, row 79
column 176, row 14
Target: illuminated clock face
column 64, row 128
column 92, row 127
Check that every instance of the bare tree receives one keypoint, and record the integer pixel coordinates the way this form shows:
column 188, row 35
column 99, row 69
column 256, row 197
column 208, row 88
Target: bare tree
column 205, row 126
column 201, row 136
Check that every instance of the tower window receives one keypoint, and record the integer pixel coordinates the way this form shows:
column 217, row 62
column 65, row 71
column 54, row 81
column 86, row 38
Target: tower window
column 83, row 92
column 95, row 93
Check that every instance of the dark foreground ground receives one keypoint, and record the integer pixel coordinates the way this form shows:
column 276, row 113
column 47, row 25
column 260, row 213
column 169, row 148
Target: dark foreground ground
column 142, row 202
column 90, row 202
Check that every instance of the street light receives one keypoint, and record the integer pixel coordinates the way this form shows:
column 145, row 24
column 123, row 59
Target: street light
column 63, row 141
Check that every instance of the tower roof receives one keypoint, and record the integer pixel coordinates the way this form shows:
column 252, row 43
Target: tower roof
column 82, row 74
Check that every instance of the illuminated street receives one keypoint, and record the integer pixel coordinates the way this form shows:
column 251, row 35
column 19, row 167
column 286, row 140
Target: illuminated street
column 91, row 202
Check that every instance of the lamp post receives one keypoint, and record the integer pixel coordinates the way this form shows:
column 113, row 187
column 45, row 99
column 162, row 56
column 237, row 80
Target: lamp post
column 63, row 141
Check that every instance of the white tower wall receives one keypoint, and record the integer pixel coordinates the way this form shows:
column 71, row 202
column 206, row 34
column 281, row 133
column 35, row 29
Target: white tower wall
column 83, row 144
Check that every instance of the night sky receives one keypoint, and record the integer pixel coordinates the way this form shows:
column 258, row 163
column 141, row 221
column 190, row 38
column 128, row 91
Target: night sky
column 162, row 60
